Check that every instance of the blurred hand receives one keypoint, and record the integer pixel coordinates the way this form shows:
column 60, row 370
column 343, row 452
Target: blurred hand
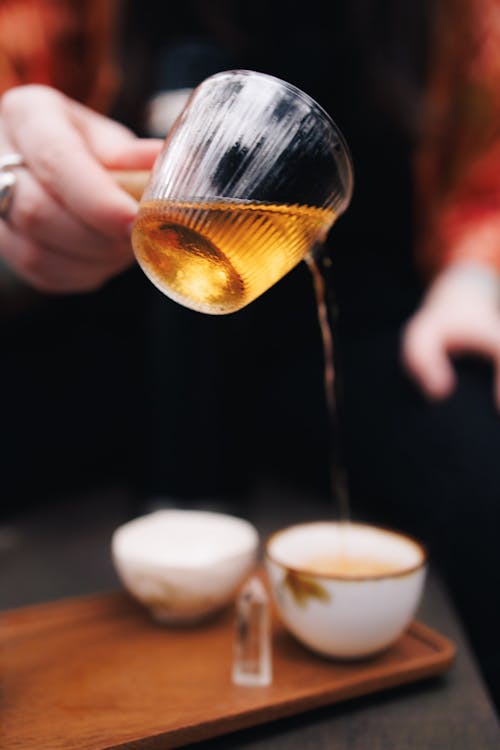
column 460, row 314
column 68, row 226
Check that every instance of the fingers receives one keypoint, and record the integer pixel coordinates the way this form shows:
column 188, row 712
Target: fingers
column 57, row 155
column 112, row 144
column 460, row 314
column 35, row 214
column 69, row 218
column 432, row 336
column 426, row 358
column 48, row 270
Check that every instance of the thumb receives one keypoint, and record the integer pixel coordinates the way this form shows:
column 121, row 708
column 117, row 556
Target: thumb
column 113, row 145
column 139, row 153
column 426, row 358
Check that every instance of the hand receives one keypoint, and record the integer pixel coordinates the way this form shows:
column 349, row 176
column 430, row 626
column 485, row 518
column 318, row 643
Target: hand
column 460, row 314
column 68, row 226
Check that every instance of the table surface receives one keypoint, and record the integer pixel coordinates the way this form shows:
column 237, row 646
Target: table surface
column 63, row 550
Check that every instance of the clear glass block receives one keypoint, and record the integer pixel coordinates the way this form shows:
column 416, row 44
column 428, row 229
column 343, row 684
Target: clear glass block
column 252, row 660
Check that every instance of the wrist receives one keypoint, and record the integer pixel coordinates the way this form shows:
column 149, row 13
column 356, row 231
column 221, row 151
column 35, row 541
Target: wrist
column 467, row 277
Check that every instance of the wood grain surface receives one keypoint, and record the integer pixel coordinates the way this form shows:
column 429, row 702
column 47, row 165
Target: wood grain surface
column 95, row 672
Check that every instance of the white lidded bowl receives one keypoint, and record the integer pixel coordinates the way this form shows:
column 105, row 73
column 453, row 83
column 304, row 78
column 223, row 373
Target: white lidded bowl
column 345, row 616
column 184, row 564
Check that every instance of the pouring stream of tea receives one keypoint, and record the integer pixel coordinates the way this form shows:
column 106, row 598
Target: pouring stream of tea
column 338, row 477
column 133, row 182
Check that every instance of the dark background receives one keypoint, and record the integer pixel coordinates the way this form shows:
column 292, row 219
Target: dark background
column 124, row 386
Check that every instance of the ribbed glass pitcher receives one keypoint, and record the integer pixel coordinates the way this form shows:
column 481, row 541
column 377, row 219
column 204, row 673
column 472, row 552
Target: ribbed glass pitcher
column 251, row 178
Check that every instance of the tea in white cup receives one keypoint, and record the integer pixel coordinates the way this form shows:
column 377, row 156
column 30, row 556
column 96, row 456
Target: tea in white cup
column 344, row 589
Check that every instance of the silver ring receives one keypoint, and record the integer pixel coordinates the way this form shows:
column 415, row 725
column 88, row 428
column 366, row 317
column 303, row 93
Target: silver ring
column 8, row 180
column 7, row 161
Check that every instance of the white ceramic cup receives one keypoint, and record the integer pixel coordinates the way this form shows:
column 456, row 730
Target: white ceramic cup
column 184, row 565
column 338, row 615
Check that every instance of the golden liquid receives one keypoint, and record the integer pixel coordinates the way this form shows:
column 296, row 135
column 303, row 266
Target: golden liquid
column 338, row 475
column 217, row 257
column 347, row 566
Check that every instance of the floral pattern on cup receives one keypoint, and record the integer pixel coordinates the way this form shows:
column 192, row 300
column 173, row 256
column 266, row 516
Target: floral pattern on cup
column 304, row 587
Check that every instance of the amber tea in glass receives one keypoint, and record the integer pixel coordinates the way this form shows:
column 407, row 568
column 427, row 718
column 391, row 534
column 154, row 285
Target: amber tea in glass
column 251, row 178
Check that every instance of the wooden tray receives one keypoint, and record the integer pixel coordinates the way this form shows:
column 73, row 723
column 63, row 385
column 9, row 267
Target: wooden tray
column 95, row 672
